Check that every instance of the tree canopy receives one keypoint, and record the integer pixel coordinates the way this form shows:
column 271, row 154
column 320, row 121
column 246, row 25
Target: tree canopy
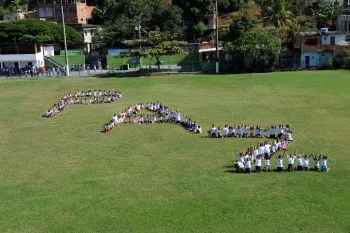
column 120, row 19
column 37, row 32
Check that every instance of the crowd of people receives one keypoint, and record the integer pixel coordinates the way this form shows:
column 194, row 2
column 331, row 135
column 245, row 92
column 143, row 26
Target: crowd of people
column 157, row 113
column 91, row 96
column 246, row 131
column 277, row 149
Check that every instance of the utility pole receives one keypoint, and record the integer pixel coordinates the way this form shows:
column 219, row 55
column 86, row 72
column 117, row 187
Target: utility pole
column 217, row 64
column 65, row 41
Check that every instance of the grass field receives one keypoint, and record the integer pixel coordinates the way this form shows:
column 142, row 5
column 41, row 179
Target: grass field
column 62, row 175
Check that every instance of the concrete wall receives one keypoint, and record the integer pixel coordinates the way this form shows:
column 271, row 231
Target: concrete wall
column 326, row 39
column 23, row 59
column 317, row 59
column 49, row 51
column 314, row 59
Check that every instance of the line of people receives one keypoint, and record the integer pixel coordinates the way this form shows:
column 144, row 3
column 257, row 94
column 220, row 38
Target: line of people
column 246, row 131
column 266, row 151
column 160, row 114
column 82, row 97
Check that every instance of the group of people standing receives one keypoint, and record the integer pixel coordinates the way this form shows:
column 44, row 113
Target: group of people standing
column 267, row 151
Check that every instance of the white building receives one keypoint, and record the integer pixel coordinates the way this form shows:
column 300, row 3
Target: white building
column 315, row 49
column 20, row 56
column 13, row 16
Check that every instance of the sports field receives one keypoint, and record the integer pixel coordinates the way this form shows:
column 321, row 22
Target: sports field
column 62, row 174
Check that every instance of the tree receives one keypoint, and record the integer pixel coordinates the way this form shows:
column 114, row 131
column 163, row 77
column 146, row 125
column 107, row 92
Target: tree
column 327, row 13
column 280, row 16
column 261, row 46
column 120, row 19
column 157, row 44
column 37, row 32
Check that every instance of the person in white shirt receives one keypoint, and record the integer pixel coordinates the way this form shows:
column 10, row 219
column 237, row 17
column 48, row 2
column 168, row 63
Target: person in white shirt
column 299, row 163
column 225, row 131
column 255, row 153
column 239, row 132
column 305, row 163
column 199, row 129
column 324, row 166
column 212, row 131
column 289, row 136
column 316, row 162
column 280, row 163
column 258, row 163
column 261, row 149
column 290, row 159
column 267, row 163
column 267, row 149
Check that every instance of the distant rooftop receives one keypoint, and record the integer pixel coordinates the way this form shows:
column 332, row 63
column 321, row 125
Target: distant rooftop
column 320, row 33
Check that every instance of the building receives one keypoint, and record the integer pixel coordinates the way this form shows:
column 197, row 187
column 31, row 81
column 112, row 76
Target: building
column 13, row 16
column 87, row 30
column 315, row 49
column 18, row 56
column 75, row 12
column 343, row 23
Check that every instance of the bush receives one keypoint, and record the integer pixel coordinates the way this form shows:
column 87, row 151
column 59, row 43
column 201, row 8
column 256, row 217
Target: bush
column 342, row 61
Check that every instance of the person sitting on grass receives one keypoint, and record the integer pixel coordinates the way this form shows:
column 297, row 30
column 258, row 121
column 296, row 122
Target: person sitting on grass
column 267, row 162
column 305, row 163
column 290, row 159
column 316, row 162
column 299, row 163
column 258, row 163
column 248, row 165
column 324, row 166
column 212, row 131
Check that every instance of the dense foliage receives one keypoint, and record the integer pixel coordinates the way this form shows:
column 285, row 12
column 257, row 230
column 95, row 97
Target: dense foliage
column 37, row 31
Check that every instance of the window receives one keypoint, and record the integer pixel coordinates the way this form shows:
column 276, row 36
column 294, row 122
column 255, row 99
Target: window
column 332, row 40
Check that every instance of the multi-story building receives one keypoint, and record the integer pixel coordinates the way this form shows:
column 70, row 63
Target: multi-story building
column 75, row 12
column 315, row 49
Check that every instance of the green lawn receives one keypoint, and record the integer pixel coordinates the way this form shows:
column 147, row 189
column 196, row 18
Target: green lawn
column 115, row 62
column 63, row 175
column 72, row 60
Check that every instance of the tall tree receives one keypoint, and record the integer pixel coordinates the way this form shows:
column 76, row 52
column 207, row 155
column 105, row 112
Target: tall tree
column 37, row 32
column 120, row 19
column 279, row 15
column 261, row 46
column 157, row 44
column 327, row 13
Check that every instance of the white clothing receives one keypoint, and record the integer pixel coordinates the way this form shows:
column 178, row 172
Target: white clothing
column 267, row 148
column 291, row 160
column 300, row 162
column 279, row 162
column 248, row 164
column 306, row 162
column 258, row 162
